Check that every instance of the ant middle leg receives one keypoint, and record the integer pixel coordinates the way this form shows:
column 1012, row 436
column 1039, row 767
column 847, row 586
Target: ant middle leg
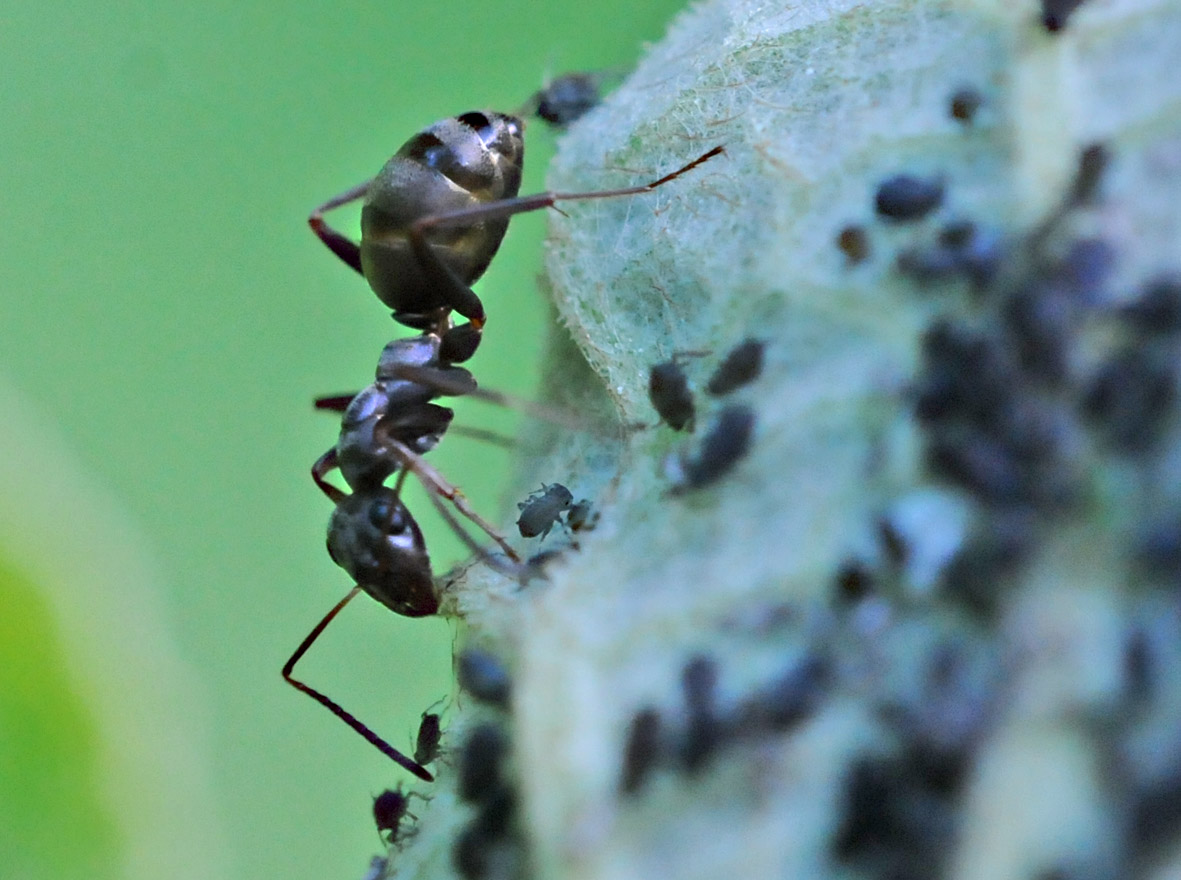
column 344, row 247
column 436, row 483
column 454, row 291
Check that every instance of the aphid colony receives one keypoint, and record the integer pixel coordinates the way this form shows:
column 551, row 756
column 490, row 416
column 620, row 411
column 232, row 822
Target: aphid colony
column 431, row 221
column 727, row 439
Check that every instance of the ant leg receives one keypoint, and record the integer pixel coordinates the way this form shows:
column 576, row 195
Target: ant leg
column 435, row 482
column 341, row 245
column 462, row 385
column 508, row 569
column 335, row 708
column 334, row 402
column 458, row 295
column 324, row 465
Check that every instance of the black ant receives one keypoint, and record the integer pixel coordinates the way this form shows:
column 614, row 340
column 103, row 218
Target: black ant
column 432, row 220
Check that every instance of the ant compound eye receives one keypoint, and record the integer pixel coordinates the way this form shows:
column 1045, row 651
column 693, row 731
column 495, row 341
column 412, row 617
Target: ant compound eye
column 477, row 121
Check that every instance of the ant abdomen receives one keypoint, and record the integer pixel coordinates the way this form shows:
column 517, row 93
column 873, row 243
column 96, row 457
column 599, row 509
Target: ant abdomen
column 454, row 165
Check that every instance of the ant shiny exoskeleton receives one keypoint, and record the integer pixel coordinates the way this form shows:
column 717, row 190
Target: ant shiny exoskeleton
column 435, row 215
column 432, row 220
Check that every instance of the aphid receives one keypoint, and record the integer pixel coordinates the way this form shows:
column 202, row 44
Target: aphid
column 566, row 98
column 703, row 731
column 962, row 249
column 1131, row 396
column 484, row 677
column 1056, row 12
column 480, row 762
column 1157, row 311
column 535, row 566
column 541, row 510
column 723, row 446
column 668, row 390
column 853, row 242
column 741, row 366
column 430, row 734
column 905, row 197
column 641, row 750
column 788, row 699
column 388, row 809
column 964, row 104
column 434, row 217
column 582, row 516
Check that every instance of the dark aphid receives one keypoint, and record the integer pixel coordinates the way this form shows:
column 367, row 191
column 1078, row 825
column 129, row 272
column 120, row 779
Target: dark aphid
column 787, row 700
column 905, row 197
column 484, row 677
column 668, row 389
column 854, row 580
column 722, row 447
column 703, row 731
column 982, row 465
column 964, row 104
column 582, row 517
column 430, row 734
column 741, row 366
column 480, row 762
column 853, row 242
column 1056, row 12
column 535, row 567
column 388, row 809
column 567, row 98
column 1131, row 396
column 541, row 510
column 641, row 750
column 1157, row 312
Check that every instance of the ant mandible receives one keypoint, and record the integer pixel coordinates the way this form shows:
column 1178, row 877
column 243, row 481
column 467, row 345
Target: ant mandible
column 432, row 220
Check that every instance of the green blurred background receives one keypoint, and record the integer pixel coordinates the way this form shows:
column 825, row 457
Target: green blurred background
column 166, row 319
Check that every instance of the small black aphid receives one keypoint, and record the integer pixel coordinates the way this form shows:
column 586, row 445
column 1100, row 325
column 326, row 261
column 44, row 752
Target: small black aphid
column 703, row 732
column 484, row 677
column 722, row 447
column 542, row 509
column 788, row 699
column 430, row 734
column 582, row 517
column 853, row 242
column 641, row 750
column 668, row 389
column 854, row 580
column 741, row 366
column 1056, row 12
column 905, row 197
column 1131, row 396
column 964, row 104
column 388, row 809
column 568, row 97
column 1157, row 312
column 480, row 762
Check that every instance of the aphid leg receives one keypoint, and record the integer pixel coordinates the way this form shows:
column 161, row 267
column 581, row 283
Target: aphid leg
column 324, row 465
column 435, row 482
column 458, row 295
column 341, row 245
column 335, row 708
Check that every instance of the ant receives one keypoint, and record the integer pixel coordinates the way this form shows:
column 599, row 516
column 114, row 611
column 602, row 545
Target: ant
column 431, row 222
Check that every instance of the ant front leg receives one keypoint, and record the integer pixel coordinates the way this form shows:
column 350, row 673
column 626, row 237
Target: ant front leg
column 334, row 707
column 323, row 466
column 341, row 245
column 435, row 482
column 458, row 295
